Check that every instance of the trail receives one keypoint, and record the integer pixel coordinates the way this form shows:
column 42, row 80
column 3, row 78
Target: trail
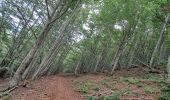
column 48, row 88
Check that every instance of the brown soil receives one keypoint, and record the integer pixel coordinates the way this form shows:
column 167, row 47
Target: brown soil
column 67, row 87
column 48, row 88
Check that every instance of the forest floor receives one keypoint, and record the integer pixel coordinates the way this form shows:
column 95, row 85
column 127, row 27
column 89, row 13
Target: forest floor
column 127, row 85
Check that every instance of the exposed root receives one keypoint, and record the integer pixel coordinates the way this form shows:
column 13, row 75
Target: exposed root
column 7, row 91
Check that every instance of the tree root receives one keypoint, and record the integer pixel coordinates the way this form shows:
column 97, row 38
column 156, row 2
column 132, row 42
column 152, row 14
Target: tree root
column 6, row 92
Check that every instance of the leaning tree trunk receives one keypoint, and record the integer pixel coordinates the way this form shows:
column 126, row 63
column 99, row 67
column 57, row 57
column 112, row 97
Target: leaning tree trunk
column 58, row 65
column 27, row 60
column 132, row 51
column 128, row 32
column 158, row 45
column 98, row 61
column 119, row 52
column 53, row 49
column 30, row 67
column 77, row 67
column 168, row 70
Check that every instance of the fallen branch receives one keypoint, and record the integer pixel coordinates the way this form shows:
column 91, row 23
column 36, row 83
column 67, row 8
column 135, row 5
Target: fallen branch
column 150, row 70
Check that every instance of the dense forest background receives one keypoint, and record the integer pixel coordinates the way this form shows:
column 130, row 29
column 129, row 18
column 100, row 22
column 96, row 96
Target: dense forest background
column 47, row 37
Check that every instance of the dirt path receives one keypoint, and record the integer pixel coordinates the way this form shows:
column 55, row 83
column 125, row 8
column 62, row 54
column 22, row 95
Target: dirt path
column 48, row 88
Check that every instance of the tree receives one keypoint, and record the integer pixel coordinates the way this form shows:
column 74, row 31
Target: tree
column 160, row 40
column 56, row 14
column 168, row 69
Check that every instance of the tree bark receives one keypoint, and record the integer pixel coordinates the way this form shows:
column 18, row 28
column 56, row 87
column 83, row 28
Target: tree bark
column 98, row 61
column 132, row 53
column 27, row 60
column 119, row 52
column 50, row 55
column 30, row 67
column 76, row 69
column 158, row 44
column 168, row 70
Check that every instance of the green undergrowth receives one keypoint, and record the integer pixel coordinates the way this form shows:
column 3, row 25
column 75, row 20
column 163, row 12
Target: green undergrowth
column 149, row 83
column 85, row 87
column 130, row 80
column 165, row 93
column 150, row 89
column 4, row 95
column 115, row 95
column 144, row 78
column 154, row 77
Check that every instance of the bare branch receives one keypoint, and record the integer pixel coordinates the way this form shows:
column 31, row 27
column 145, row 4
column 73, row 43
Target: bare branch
column 48, row 14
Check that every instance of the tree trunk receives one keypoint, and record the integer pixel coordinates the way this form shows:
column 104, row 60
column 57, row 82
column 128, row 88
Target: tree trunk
column 98, row 61
column 76, row 69
column 158, row 45
column 132, row 51
column 27, row 60
column 46, row 61
column 119, row 52
column 30, row 67
column 128, row 32
column 61, row 60
column 50, row 55
column 168, row 70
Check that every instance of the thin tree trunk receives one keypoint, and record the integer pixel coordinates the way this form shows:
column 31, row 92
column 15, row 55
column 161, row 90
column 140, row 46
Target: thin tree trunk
column 132, row 53
column 98, row 61
column 46, row 61
column 128, row 32
column 158, row 45
column 27, row 60
column 59, row 63
column 76, row 69
column 168, row 70
column 54, row 48
column 32, row 64
column 119, row 52
column 50, row 60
